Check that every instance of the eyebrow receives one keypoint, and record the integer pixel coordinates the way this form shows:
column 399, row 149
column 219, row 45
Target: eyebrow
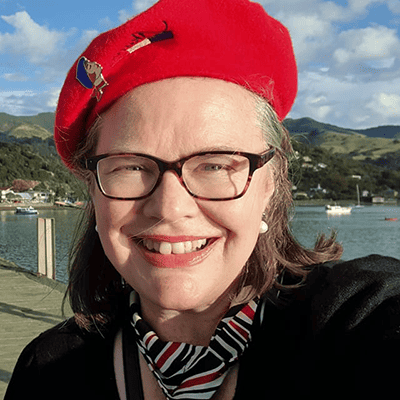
column 219, row 148
column 200, row 150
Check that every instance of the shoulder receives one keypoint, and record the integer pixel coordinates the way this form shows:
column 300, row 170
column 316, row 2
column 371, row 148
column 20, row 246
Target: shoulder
column 346, row 293
column 66, row 341
column 340, row 329
column 355, row 289
column 64, row 357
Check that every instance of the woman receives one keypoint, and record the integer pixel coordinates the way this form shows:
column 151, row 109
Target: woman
column 187, row 282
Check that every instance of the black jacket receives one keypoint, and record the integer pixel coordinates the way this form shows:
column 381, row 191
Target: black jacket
column 335, row 337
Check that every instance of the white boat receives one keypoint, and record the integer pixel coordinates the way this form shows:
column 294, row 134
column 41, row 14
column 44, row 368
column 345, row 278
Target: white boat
column 26, row 211
column 358, row 206
column 337, row 210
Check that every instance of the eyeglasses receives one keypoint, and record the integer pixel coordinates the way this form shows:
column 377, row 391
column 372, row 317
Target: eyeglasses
column 214, row 175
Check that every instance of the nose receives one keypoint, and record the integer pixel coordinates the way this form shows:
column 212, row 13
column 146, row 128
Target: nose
column 170, row 201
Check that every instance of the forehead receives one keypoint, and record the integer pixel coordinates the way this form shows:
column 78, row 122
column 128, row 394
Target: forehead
column 193, row 114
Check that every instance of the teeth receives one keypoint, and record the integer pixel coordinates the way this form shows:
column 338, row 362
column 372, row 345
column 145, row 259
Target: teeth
column 188, row 247
column 178, row 248
column 174, row 248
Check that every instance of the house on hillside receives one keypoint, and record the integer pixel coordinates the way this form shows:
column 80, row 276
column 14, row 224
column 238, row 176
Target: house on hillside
column 24, row 196
column 8, row 193
column 300, row 196
column 42, row 197
column 318, row 189
column 378, row 200
column 4, row 191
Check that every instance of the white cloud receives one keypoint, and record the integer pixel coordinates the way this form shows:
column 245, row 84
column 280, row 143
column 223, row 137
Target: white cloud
column 359, row 6
column 333, row 12
column 348, row 101
column 30, row 39
column 28, row 102
column 377, row 43
column 385, row 104
column 52, row 97
column 13, row 102
column 394, row 6
column 15, row 77
column 309, row 34
column 42, row 55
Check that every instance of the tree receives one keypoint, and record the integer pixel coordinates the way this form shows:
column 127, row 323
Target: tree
column 60, row 192
column 20, row 185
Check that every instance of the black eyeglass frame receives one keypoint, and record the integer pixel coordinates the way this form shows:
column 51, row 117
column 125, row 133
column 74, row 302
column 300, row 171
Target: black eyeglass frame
column 256, row 161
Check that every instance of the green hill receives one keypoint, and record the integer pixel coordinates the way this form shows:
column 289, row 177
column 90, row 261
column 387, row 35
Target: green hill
column 26, row 130
column 371, row 144
column 307, row 125
column 27, row 152
column 44, row 120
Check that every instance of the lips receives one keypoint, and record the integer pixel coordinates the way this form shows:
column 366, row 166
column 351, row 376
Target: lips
column 174, row 252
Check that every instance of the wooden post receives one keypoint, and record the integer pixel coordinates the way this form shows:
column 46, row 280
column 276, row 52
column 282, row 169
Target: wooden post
column 46, row 247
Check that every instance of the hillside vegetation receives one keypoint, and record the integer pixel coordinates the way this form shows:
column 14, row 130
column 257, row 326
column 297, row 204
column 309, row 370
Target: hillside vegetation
column 27, row 152
column 371, row 144
column 340, row 174
column 329, row 157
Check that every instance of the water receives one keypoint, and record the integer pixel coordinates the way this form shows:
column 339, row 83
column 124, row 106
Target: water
column 363, row 232
column 18, row 238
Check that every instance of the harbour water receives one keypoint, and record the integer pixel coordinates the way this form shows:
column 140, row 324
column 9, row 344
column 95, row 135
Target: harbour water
column 365, row 231
column 18, row 238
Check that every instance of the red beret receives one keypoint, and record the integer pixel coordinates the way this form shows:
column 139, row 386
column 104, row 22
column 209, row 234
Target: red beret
column 235, row 40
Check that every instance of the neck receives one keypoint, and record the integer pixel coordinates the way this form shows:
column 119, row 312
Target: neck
column 183, row 326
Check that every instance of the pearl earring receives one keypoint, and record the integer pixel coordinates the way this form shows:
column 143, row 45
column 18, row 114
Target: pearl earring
column 263, row 227
column 95, row 228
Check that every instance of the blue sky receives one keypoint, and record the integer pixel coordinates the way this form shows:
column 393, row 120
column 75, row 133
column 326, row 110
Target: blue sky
column 348, row 53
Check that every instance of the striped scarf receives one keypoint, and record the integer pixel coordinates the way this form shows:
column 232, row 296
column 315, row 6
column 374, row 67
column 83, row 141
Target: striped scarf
column 185, row 371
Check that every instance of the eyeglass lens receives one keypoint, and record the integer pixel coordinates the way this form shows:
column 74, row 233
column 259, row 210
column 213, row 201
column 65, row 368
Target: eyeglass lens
column 212, row 176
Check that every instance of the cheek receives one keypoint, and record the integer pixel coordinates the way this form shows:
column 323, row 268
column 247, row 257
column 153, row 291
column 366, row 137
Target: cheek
column 241, row 218
column 111, row 216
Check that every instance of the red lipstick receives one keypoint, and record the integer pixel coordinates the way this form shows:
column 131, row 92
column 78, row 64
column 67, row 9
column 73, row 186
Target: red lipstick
column 175, row 260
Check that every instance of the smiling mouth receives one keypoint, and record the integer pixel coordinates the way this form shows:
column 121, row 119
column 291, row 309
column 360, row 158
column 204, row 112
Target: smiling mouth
column 166, row 248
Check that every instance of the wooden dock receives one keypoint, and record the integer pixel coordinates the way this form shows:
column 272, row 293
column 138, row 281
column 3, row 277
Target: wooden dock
column 29, row 305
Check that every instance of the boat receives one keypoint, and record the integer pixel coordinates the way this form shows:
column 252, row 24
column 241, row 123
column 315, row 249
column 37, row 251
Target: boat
column 337, row 210
column 26, row 211
column 358, row 206
column 391, row 219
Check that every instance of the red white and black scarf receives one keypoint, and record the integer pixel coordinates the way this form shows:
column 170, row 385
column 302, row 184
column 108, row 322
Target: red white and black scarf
column 185, row 371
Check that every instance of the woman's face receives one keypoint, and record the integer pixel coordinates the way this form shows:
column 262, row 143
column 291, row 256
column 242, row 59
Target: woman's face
column 172, row 119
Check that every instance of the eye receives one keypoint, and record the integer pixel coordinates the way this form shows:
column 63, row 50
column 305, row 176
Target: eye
column 121, row 168
column 215, row 167
column 127, row 166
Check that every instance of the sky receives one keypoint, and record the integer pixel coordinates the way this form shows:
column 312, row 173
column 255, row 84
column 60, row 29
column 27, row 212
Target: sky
column 347, row 51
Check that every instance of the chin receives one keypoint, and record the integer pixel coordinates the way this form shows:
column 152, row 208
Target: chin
column 183, row 293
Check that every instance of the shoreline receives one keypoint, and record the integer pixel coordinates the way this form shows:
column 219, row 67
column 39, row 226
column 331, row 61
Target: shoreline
column 51, row 283
column 38, row 206
column 343, row 203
